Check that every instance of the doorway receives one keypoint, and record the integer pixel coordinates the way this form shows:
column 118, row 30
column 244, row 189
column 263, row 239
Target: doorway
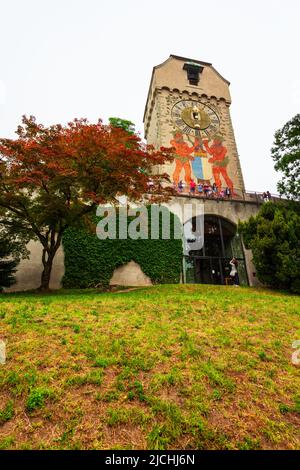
column 210, row 265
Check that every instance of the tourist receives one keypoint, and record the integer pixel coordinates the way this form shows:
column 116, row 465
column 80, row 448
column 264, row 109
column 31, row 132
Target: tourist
column 200, row 189
column 228, row 192
column 209, row 191
column 264, row 196
column 180, row 186
column 269, row 197
column 234, row 273
column 192, row 186
column 205, row 189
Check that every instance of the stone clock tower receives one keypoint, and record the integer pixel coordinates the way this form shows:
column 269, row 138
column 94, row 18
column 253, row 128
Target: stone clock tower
column 188, row 108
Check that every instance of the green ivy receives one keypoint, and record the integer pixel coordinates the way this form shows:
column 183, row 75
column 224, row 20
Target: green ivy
column 90, row 262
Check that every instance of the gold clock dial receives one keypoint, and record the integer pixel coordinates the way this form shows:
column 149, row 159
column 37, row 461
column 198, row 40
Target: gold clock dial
column 194, row 117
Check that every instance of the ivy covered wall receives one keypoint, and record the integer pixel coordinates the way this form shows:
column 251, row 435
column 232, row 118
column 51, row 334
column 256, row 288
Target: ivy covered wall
column 91, row 262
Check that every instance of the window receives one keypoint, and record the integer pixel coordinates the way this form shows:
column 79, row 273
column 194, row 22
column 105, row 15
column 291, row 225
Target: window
column 193, row 71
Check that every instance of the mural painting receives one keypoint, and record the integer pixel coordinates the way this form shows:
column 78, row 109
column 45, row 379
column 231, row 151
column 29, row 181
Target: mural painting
column 182, row 158
column 197, row 161
column 199, row 146
column 219, row 161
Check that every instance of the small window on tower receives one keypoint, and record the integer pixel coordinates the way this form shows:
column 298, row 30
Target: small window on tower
column 193, row 72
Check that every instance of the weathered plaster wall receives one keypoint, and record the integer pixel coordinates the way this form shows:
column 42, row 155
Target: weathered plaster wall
column 29, row 270
column 130, row 274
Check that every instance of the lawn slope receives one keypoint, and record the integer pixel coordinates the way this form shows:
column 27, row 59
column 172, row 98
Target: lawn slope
column 166, row 367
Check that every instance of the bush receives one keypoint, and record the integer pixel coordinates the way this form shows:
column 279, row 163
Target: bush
column 36, row 398
column 273, row 236
column 7, row 265
column 7, row 413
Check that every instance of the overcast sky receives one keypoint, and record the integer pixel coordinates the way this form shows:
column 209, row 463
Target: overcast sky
column 62, row 59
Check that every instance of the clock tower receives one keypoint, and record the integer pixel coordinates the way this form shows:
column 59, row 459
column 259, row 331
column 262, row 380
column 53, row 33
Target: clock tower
column 188, row 108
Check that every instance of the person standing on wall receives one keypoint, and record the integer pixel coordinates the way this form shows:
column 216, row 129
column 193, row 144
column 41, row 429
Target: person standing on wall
column 234, row 273
column 192, row 186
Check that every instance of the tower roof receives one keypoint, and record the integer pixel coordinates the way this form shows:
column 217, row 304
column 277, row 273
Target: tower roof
column 185, row 60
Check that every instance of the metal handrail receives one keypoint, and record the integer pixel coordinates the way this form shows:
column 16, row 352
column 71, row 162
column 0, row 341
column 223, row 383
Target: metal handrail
column 239, row 194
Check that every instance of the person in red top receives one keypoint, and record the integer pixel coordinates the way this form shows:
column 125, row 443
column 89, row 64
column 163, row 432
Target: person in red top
column 192, row 186
column 183, row 157
column 219, row 161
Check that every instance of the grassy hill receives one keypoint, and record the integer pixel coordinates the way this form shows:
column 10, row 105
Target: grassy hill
column 166, row 367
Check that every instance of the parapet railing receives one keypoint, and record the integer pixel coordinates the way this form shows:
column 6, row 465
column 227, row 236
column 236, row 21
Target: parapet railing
column 238, row 195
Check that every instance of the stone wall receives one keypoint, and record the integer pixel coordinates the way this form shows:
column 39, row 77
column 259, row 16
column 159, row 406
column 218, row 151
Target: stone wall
column 29, row 271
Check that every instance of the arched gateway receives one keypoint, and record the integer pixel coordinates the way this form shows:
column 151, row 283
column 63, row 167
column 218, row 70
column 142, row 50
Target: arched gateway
column 210, row 264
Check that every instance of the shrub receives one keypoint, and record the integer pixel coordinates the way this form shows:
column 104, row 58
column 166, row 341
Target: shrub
column 37, row 397
column 273, row 236
column 90, row 262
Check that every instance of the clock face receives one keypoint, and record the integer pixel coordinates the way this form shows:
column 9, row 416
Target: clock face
column 195, row 118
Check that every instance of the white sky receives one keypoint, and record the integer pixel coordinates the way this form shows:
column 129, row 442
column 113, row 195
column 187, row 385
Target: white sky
column 62, row 59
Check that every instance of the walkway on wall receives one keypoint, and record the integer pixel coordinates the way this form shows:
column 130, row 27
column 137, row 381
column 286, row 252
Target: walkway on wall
column 255, row 197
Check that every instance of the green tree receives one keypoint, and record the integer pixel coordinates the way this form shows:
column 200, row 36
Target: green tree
column 8, row 264
column 127, row 126
column 286, row 154
column 273, row 236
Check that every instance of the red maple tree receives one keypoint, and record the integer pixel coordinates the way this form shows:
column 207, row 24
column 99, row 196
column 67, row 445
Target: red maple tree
column 51, row 177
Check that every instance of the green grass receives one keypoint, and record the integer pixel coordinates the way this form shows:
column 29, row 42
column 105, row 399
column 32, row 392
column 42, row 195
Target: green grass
column 36, row 398
column 166, row 367
column 7, row 412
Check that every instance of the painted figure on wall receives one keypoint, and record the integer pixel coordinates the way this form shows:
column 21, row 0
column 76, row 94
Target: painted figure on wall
column 183, row 158
column 197, row 163
column 219, row 161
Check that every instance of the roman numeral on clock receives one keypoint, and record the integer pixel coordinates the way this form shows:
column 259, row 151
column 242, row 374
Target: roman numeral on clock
column 184, row 104
column 186, row 130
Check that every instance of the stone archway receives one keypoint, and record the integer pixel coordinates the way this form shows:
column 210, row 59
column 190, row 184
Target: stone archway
column 210, row 264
